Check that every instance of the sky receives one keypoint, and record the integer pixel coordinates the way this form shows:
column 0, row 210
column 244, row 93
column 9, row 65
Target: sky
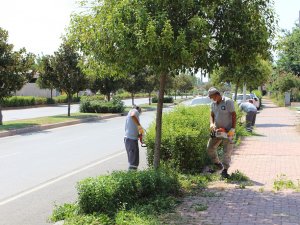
column 38, row 25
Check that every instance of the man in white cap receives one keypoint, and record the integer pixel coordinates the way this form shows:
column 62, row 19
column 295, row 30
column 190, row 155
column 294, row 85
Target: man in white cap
column 223, row 116
column 133, row 129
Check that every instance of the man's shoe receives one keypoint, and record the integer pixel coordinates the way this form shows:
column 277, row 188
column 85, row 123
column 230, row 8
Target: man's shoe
column 225, row 174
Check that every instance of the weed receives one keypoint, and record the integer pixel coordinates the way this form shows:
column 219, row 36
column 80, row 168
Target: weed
column 200, row 207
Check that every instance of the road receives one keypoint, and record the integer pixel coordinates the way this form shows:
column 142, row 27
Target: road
column 40, row 169
column 29, row 113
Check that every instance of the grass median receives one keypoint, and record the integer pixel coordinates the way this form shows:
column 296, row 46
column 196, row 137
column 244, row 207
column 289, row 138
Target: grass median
column 18, row 124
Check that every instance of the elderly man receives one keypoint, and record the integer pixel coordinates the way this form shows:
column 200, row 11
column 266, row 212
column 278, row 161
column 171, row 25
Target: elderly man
column 222, row 116
column 133, row 129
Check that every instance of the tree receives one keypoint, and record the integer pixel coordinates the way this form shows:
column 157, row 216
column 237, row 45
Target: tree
column 68, row 74
column 171, row 36
column 186, row 83
column 150, row 83
column 244, row 33
column 16, row 68
column 289, row 52
column 253, row 74
column 134, row 83
column 47, row 78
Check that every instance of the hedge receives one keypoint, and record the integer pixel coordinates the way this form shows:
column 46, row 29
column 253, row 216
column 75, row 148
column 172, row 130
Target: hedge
column 185, row 133
column 92, row 105
column 22, row 101
column 166, row 100
column 108, row 194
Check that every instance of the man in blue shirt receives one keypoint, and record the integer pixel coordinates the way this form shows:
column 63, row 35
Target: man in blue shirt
column 133, row 129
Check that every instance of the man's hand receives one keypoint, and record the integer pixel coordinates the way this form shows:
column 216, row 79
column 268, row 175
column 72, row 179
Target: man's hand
column 231, row 132
column 141, row 130
column 212, row 127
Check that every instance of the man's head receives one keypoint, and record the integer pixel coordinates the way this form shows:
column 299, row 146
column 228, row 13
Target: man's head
column 139, row 109
column 214, row 94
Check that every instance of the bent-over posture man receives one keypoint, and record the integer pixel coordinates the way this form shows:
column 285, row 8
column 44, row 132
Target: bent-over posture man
column 222, row 115
column 250, row 109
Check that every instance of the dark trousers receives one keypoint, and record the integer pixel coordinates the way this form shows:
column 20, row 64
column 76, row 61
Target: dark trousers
column 250, row 120
column 132, row 149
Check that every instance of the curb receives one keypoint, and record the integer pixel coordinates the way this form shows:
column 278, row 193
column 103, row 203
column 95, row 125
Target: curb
column 55, row 125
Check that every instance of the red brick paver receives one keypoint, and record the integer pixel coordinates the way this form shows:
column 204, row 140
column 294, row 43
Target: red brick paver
column 274, row 151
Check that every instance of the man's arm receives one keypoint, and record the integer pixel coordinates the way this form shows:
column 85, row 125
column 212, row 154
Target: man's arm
column 137, row 123
column 212, row 121
column 135, row 119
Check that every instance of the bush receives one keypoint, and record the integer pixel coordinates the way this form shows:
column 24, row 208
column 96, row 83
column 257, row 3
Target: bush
column 107, row 194
column 166, row 100
column 17, row 101
column 64, row 99
column 90, row 105
column 185, row 133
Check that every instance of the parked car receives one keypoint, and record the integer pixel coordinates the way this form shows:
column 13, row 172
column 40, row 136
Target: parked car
column 201, row 101
column 239, row 99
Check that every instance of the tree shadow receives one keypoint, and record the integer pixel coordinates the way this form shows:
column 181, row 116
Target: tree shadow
column 10, row 127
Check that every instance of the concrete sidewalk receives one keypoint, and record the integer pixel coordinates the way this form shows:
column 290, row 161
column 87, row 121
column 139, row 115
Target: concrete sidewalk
column 275, row 150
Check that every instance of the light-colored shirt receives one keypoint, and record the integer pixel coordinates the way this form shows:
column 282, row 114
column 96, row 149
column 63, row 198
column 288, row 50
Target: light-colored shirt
column 223, row 113
column 248, row 107
column 131, row 129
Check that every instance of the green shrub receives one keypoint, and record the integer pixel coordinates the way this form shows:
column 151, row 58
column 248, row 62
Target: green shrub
column 19, row 101
column 89, row 220
column 64, row 211
column 185, row 132
column 166, row 100
column 92, row 105
column 107, row 194
column 64, row 99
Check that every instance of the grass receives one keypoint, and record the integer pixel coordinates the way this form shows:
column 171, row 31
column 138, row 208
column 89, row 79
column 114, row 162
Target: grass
column 17, row 124
column 283, row 183
column 240, row 179
column 200, row 207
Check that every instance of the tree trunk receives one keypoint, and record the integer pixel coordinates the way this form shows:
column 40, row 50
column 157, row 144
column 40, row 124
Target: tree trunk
column 69, row 104
column 149, row 98
column 51, row 93
column 108, row 97
column 132, row 98
column 162, row 84
column 175, row 94
column 236, row 90
column 77, row 94
column 1, row 117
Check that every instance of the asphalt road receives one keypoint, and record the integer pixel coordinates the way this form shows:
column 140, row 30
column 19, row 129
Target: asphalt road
column 29, row 113
column 40, row 169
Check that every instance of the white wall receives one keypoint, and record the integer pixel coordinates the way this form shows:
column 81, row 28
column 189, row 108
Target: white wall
column 31, row 89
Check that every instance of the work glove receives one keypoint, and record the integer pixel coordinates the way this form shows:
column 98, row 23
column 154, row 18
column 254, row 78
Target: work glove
column 231, row 132
column 141, row 130
column 212, row 127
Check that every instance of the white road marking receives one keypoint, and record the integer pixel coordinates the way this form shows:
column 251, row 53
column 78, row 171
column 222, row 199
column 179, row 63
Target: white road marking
column 9, row 155
column 22, row 194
